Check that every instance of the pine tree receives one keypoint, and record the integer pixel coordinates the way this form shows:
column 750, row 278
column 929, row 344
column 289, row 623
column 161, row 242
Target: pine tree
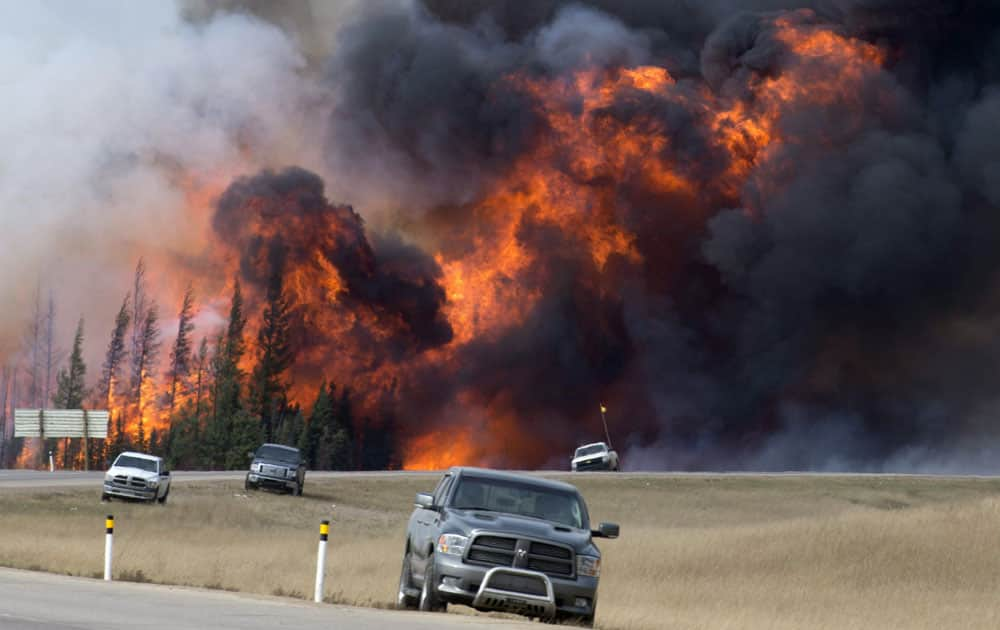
column 228, row 379
column 180, row 355
column 70, row 382
column 345, row 423
column 115, row 356
column 268, row 391
column 139, row 310
column 201, row 367
column 71, row 390
column 312, row 436
column 145, row 358
column 232, row 350
column 140, row 435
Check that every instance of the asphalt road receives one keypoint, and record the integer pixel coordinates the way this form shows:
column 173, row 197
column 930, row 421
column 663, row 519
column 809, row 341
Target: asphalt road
column 43, row 601
column 60, row 478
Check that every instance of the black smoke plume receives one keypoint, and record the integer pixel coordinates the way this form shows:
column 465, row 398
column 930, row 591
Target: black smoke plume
column 282, row 221
column 837, row 312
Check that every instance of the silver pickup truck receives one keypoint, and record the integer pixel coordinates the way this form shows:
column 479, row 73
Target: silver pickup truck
column 503, row 541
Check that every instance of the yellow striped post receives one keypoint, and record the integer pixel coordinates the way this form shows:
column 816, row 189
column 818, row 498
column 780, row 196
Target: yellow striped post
column 109, row 534
column 324, row 533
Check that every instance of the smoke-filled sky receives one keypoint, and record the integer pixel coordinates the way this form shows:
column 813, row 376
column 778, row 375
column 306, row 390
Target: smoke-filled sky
column 764, row 233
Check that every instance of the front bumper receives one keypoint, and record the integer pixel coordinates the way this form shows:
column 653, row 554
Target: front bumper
column 591, row 464
column 130, row 492
column 462, row 583
column 281, row 483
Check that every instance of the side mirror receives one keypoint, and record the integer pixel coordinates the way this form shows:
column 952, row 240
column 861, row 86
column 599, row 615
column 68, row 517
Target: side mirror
column 424, row 500
column 250, row 455
column 606, row 530
column 165, row 473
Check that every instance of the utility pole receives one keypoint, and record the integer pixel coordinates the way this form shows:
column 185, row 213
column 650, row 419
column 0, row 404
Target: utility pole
column 607, row 435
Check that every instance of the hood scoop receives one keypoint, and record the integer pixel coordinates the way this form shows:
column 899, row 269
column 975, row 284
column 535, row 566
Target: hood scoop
column 484, row 517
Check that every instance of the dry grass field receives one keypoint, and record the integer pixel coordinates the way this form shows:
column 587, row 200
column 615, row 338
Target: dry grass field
column 747, row 552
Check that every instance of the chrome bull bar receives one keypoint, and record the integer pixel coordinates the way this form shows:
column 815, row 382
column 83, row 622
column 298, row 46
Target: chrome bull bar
column 492, row 597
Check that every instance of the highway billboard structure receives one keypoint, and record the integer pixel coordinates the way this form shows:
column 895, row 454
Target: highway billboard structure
column 62, row 423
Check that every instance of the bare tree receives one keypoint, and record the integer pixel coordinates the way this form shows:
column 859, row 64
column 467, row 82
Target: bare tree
column 5, row 433
column 51, row 355
column 139, row 312
column 33, row 342
column 148, row 350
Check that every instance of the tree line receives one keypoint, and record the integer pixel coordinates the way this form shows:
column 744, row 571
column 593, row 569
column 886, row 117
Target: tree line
column 208, row 410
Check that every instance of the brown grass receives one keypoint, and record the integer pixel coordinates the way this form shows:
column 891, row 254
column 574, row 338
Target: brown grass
column 696, row 551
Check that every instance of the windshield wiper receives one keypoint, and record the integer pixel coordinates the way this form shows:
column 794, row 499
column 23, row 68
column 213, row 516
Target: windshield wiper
column 478, row 509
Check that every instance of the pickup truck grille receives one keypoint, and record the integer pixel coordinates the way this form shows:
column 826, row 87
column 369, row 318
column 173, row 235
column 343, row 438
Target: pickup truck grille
column 274, row 471
column 125, row 481
column 593, row 464
column 501, row 551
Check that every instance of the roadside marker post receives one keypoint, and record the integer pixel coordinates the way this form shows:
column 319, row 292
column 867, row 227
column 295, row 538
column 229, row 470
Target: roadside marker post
column 52, row 463
column 324, row 532
column 109, row 529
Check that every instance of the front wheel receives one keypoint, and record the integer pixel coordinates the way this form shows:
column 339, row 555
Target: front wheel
column 404, row 599
column 430, row 601
column 247, row 485
column 575, row 621
column 163, row 499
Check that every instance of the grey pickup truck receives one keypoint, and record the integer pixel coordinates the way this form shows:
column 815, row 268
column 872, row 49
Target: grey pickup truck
column 277, row 467
column 503, row 541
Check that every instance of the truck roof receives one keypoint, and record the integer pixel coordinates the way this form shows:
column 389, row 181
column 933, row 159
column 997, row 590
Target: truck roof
column 604, row 444
column 284, row 446
column 513, row 476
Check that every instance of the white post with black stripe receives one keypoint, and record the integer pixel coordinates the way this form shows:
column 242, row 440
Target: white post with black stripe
column 109, row 535
column 324, row 532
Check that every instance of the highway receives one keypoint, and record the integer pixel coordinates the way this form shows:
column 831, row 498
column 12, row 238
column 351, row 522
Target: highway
column 63, row 478
column 44, row 601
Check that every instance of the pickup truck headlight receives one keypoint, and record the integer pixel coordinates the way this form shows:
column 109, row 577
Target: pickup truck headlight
column 452, row 544
column 289, row 472
column 588, row 565
column 153, row 483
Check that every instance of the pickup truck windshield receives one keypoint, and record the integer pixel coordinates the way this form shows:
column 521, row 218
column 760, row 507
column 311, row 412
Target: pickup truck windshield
column 590, row 450
column 280, row 454
column 524, row 499
column 127, row 461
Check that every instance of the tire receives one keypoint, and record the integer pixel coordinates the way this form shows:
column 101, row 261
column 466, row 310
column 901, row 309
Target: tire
column 298, row 488
column 404, row 601
column 247, row 485
column 163, row 499
column 105, row 497
column 430, row 601
column 574, row 621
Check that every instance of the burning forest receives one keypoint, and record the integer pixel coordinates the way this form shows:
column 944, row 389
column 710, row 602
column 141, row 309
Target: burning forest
column 418, row 234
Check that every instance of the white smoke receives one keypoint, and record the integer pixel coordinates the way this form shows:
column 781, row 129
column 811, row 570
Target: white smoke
column 111, row 111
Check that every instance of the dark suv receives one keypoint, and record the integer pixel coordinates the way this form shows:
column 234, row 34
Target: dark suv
column 278, row 467
column 503, row 541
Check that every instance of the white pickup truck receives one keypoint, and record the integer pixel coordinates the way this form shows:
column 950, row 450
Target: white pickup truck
column 137, row 476
column 595, row 456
